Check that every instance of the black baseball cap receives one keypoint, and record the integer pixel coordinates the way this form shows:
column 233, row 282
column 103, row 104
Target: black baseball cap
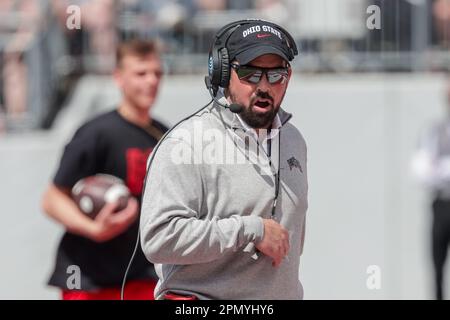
column 255, row 39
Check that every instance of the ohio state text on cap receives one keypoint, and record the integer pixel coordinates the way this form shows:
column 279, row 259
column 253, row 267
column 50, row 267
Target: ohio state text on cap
column 250, row 41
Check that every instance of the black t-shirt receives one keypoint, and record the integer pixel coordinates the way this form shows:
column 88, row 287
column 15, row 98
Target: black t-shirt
column 107, row 144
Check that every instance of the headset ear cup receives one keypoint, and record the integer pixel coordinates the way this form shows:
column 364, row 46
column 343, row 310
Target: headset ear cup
column 215, row 67
column 224, row 67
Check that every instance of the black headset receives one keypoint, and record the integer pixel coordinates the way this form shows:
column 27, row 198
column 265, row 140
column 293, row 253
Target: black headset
column 219, row 62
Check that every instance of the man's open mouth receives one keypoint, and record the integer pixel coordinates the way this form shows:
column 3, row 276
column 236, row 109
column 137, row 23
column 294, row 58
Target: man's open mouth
column 262, row 103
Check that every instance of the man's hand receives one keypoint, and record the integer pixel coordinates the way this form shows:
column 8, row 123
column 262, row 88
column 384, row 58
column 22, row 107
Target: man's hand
column 275, row 243
column 109, row 224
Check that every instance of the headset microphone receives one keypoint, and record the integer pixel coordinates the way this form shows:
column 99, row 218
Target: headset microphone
column 234, row 107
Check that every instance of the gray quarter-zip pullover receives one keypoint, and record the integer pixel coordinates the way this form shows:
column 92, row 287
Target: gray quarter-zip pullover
column 206, row 193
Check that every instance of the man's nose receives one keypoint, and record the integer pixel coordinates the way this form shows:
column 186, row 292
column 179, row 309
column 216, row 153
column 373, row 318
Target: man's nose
column 152, row 78
column 264, row 84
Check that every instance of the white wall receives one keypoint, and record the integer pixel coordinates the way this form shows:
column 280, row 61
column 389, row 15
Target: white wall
column 365, row 209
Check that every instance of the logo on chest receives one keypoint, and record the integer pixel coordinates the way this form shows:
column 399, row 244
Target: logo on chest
column 294, row 163
column 136, row 162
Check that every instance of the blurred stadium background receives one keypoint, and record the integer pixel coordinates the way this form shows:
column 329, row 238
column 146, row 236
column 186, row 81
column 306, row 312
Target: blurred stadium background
column 361, row 98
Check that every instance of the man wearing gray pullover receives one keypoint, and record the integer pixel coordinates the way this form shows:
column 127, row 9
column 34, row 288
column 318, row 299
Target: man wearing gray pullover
column 223, row 210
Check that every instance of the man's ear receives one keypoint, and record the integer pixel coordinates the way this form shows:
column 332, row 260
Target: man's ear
column 288, row 77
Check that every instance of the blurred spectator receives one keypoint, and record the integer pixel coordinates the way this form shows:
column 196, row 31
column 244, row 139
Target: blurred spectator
column 396, row 21
column 74, row 36
column 20, row 14
column 441, row 17
column 19, row 21
column 97, row 37
column 165, row 19
column 240, row 4
column 2, row 123
column 15, row 86
column 208, row 5
column 431, row 165
column 273, row 10
column 2, row 95
column 2, row 103
column 221, row 5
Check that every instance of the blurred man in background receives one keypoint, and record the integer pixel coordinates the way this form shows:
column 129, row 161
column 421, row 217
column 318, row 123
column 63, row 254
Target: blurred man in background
column 431, row 165
column 116, row 143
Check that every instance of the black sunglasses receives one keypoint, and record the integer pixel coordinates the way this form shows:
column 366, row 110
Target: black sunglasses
column 254, row 74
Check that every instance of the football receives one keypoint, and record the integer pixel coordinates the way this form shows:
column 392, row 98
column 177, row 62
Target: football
column 93, row 192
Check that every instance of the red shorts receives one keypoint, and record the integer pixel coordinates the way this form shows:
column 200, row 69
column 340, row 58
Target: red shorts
column 134, row 290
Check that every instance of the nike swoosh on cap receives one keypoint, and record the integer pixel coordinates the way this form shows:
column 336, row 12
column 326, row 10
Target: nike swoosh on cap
column 264, row 35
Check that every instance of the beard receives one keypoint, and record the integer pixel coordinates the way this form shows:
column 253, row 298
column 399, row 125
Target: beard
column 258, row 120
